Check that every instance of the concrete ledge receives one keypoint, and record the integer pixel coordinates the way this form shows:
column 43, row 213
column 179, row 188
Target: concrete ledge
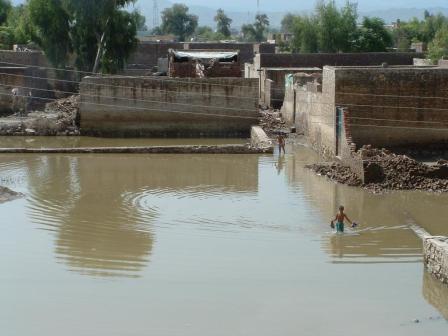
column 436, row 257
column 220, row 149
column 259, row 139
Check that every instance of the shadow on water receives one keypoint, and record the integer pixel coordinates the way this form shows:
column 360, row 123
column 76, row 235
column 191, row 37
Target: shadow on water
column 100, row 207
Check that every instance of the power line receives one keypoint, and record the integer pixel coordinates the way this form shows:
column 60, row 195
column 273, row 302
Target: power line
column 254, row 118
column 140, row 108
column 161, row 78
column 126, row 87
column 136, row 100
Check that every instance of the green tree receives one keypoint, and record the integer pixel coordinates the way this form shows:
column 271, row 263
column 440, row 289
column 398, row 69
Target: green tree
column 256, row 31
column 177, row 21
column 19, row 22
column 305, row 35
column 223, row 23
column 140, row 21
column 438, row 48
column 336, row 28
column 5, row 7
column 50, row 29
column 373, row 36
column 100, row 30
column 288, row 23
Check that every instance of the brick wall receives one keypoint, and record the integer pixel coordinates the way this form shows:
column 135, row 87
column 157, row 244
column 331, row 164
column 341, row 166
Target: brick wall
column 32, row 58
column 188, row 70
column 181, row 107
column 315, row 115
column 148, row 53
column 341, row 59
column 394, row 107
column 26, row 80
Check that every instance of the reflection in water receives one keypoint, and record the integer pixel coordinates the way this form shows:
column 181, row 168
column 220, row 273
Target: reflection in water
column 280, row 165
column 436, row 293
column 101, row 206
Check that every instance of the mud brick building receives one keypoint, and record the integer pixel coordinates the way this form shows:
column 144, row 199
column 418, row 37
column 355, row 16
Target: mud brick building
column 349, row 107
column 271, row 69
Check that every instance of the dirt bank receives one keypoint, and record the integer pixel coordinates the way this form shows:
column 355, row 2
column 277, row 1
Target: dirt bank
column 389, row 171
column 58, row 118
column 7, row 195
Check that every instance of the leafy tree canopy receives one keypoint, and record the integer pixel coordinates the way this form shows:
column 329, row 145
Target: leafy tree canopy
column 223, row 23
column 257, row 30
column 86, row 29
column 177, row 21
column 5, row 7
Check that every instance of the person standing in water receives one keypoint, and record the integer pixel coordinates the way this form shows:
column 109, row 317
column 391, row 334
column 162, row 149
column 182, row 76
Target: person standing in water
column 281, row 143
column 340, row 219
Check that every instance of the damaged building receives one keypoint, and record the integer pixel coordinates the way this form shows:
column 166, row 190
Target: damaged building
column 204, row 63
column 342, row 109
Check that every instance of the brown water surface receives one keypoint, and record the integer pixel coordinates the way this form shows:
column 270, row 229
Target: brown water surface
column 208, row 245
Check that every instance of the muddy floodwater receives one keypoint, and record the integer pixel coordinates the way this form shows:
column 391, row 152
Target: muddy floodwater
column 208, row 245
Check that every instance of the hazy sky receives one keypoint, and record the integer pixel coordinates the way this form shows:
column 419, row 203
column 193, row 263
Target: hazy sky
column 291, row 5
column 284, row 5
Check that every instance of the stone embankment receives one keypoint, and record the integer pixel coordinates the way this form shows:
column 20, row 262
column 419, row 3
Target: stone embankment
column 436, row 257
column 389, row 171
column 219, row 149
column 59, row 118
column 7, row 195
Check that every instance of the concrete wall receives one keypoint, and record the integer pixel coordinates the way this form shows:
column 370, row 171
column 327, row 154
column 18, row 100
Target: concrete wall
column 155, row 106
column 148, row 53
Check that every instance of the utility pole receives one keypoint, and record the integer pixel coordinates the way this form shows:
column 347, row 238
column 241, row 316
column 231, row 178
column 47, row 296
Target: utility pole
column 155, row 14
column 258, row 6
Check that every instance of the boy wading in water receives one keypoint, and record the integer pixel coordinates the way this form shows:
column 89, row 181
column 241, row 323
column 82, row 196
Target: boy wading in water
column 281, row 143
column 340, row 218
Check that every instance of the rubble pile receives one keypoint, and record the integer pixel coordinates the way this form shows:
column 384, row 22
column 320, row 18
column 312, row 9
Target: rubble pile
column 336, row 172
column 60, row 117
column 271, row 122
column 385, row 170
column 67, row 113
column 401, row 172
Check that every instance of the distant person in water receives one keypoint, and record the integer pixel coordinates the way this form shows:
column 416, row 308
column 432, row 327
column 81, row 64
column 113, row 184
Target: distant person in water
column 340, row 219
column 281, row 143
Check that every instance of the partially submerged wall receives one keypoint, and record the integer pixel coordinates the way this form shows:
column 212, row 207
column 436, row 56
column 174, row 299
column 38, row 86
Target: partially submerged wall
column 436, row 257
column 155, row 106
column 315, row 114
